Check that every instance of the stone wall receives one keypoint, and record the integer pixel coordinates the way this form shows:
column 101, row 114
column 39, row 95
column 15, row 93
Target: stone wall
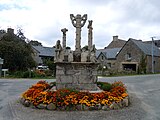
column 156, row 64
column 136, row 55
column 135, row 52
column 76, row 75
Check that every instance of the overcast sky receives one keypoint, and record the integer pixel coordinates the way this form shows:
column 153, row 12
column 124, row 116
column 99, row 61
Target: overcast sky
column 43, row 20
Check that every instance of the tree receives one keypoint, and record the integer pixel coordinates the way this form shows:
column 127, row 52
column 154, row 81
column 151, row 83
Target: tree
column 20, row 34
column 142, row 65
column 16, row 53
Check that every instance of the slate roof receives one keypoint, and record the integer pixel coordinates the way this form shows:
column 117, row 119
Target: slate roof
column 156, row 42
column 147, row 47
column 109, row 53
column 116, row 44
column 45, row 51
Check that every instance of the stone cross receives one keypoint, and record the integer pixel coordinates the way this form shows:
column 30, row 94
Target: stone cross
column 78, row 22
column 64, row 38
column 90, row 35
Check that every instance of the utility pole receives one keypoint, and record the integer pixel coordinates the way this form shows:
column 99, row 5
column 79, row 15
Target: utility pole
column 152, row 55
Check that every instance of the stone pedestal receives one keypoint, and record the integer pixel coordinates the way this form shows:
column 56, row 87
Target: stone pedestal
column 76, row 75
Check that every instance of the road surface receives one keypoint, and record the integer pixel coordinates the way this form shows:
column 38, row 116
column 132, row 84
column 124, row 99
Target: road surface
column 144, row 91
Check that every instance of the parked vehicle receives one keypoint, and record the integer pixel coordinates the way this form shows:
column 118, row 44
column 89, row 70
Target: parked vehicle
column 41, row 67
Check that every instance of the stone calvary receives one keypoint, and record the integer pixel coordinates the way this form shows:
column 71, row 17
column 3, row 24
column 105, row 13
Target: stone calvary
column 76, row 79
column 76, row 69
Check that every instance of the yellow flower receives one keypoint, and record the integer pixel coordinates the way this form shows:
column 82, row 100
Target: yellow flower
column 124, row 95
column 104, row 101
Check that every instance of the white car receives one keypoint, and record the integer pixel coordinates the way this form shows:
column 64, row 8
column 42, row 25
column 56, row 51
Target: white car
column 41, row 67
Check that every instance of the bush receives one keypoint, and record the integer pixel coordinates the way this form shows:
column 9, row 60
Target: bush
column 28, row 74
column 18, row 74
column 104, row 86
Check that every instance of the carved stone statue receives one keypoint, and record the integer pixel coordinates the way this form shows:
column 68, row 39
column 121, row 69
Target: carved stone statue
column 78, row 22
column 58, row 50
column 70, row 56
column 93, row 54
column 84, row 55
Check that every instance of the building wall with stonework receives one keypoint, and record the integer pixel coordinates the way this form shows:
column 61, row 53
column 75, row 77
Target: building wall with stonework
column 106, row 66
column 102, row 60
column 156, row 64
column 129, row 55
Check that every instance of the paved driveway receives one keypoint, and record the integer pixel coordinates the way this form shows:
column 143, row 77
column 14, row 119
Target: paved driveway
column 144, row 92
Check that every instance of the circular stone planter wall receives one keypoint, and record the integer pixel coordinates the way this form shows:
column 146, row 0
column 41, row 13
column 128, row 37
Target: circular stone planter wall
column 45, row 96
column 80, row 107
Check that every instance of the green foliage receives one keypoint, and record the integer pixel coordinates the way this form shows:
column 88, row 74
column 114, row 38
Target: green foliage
column 48, row 72
column 104, row 86
column 16, row 53
column 20, row 34
column 52, row 66
column 27, row 74
column 52, row 84
column 142, row 65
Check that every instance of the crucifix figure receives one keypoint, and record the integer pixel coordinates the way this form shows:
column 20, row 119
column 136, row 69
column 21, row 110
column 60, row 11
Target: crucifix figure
column 78, row 22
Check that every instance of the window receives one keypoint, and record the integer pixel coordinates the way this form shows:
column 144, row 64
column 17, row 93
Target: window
column 128, row 56
column 109, row 65
column 102, row 57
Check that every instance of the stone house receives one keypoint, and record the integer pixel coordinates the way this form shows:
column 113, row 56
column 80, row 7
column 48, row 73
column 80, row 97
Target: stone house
column 130, row 56
column 107, row 56
column 42, row 53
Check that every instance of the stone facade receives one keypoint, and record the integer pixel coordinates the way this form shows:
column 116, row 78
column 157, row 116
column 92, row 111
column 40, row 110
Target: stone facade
column 129, row 58
column 77, row 75
column 136, row 54
column 156, row 64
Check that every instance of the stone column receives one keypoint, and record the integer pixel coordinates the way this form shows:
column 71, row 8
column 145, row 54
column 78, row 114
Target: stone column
column 78, row 22
column 90, row 35
column 64, row 38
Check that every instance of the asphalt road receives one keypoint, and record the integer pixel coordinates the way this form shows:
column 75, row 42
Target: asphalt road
column 144, row 91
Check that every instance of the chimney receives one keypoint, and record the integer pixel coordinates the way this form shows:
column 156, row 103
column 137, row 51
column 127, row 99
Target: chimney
column 10, row 31
column 115, row 38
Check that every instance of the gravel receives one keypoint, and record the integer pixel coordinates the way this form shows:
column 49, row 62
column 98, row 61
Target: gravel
column 135, row 111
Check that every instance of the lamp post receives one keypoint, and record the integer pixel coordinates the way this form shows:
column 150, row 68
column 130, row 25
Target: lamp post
column 152, row 55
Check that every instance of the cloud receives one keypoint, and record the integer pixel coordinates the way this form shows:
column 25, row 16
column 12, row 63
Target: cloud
column 43, row 20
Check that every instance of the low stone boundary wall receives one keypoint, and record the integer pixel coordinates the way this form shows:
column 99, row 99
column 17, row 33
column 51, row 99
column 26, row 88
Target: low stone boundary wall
column 78, row 107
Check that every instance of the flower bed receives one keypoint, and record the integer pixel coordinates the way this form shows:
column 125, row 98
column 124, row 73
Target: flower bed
column 41, row 95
